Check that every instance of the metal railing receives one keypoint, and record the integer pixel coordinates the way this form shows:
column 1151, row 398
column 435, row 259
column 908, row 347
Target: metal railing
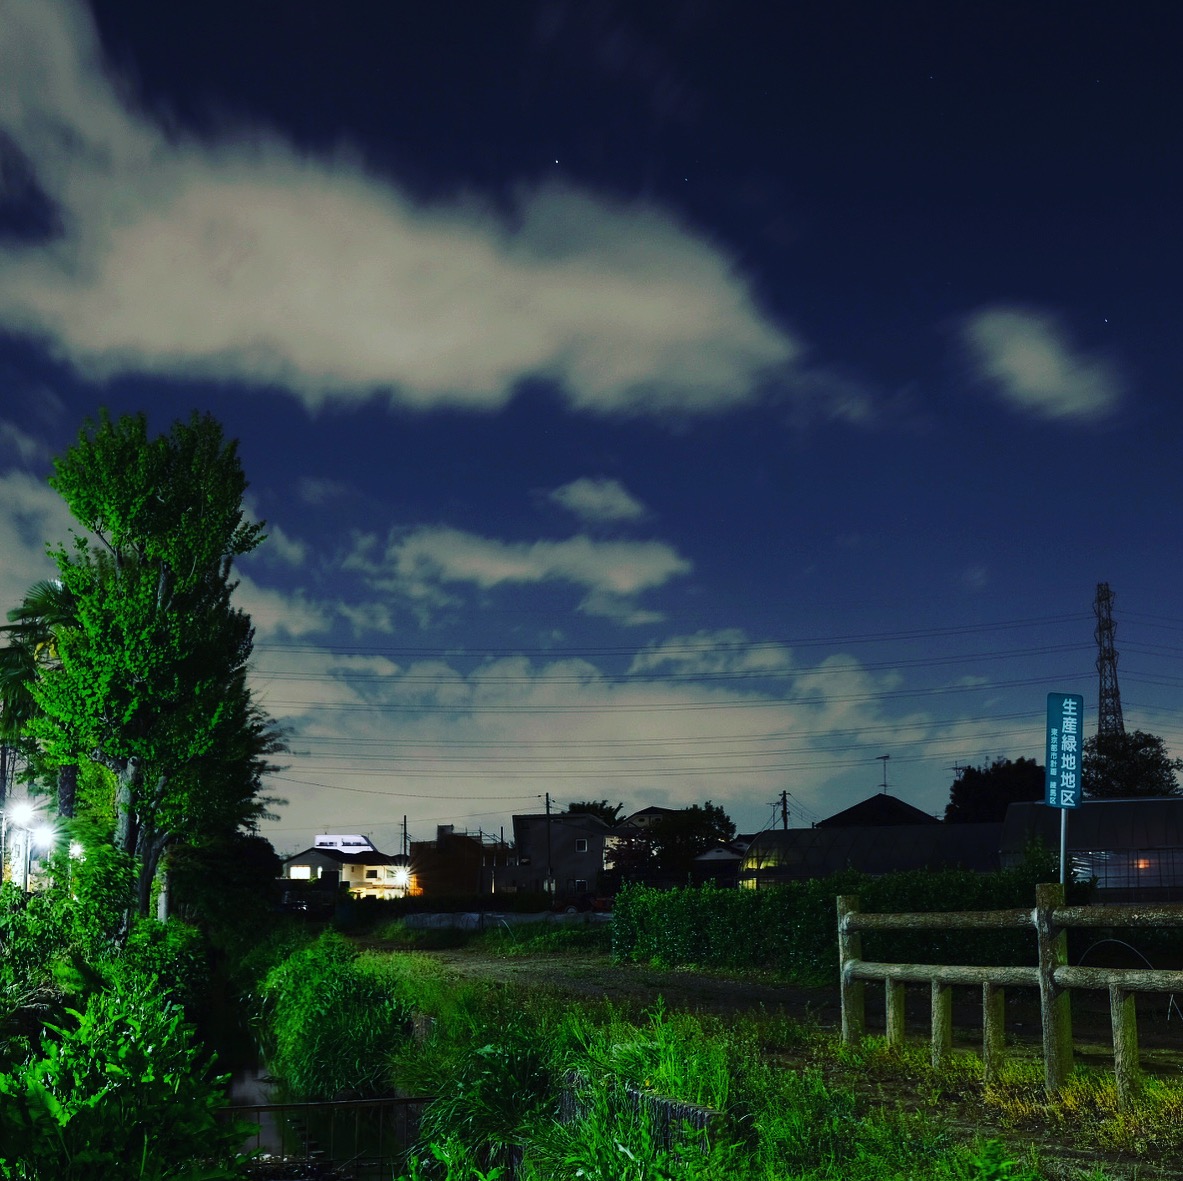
column 1052, row 976
column 360, row 1139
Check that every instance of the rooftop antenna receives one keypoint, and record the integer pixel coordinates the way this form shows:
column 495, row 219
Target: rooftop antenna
column 1109, row 719
column 883, row 759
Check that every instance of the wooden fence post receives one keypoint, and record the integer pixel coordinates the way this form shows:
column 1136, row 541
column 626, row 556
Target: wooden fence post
column 893, row 1003
column 1123, row 1015
column 993, row 1030
column 850, row 949
column 942, row 1022
column 1055, row 1003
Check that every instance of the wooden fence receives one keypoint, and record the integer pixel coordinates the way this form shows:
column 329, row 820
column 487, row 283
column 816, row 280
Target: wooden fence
column 1052, row 976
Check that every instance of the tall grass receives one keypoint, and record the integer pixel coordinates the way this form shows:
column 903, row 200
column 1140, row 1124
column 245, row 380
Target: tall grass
column 331, row 1021
column 498, row 1057
column 499, row 1061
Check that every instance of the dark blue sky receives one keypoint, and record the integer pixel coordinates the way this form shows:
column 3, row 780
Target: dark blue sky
column 658, row 402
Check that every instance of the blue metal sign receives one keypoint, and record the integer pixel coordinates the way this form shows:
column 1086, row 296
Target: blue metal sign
column 1065, row 713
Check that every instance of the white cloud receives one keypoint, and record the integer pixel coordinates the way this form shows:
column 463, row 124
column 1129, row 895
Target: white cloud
column 1028, row 358
column 423, row 563
column 283, row 546
column 726, row 652
column 275, row 612
column 599, row 499
column 247, row 262
column 31, row 514
column 22, row 445
column 438, row 742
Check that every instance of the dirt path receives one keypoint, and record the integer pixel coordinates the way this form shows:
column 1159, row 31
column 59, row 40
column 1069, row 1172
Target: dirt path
column 595, row 977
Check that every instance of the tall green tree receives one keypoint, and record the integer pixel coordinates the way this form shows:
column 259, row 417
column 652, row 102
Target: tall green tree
column 678, row 837
column 608, row 813
column 150, row 674
column 1129, row 765
column 984, row 793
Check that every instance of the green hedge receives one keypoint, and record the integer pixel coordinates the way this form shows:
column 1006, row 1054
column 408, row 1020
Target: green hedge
column 791, row 929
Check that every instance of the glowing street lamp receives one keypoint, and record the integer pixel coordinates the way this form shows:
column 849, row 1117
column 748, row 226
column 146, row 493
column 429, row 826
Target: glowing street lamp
column 21, row 816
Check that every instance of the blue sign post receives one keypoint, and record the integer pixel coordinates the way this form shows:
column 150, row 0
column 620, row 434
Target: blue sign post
column 1065, row 716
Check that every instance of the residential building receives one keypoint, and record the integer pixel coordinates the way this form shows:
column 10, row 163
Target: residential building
column 350, row 861
column 855, row 838
column 459, row 863
column 570, row 844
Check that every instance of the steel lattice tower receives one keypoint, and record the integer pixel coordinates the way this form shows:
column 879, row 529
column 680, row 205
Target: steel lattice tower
column 1109, row 720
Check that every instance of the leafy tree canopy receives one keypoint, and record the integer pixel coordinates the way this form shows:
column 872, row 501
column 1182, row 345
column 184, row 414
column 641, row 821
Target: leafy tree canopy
column 1126, row 766
column 608, row 813
column 984, row 793
column 678, row 837
column 144, row 669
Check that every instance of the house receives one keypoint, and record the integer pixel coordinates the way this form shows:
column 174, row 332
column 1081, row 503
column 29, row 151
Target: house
column 570, row 844
column 721, row 862
column 351, row 861
column 855, row 838
column 459, row 863
column 798, row 853
column 1133, row 848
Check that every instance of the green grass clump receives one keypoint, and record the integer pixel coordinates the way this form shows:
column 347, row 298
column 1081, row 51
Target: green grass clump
column 546, row 938
column 1087, row 1107
column 331, row 1020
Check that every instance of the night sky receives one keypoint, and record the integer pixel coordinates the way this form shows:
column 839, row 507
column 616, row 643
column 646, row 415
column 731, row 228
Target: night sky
column 658, row 402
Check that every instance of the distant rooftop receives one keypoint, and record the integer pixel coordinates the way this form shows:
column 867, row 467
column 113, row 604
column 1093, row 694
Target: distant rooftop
column 345, row 842
column 878, row 810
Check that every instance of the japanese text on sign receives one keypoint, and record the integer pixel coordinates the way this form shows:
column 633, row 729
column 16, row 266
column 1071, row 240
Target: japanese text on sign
column 1064, row 712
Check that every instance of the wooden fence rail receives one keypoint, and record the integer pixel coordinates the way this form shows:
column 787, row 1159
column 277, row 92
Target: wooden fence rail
column 1052, row 975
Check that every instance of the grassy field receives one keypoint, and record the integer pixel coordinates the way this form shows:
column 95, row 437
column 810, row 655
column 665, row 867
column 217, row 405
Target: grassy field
column 795, row 1103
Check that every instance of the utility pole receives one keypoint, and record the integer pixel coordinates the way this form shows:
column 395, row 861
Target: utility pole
column 404, row 836
column 550, row 873
column 883, row 759
column 784, row 810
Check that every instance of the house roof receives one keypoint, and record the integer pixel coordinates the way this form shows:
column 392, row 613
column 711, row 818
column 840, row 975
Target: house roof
column 362, row 857
column 879, row 810
column 587, row 822
column 818, row 852
column 645, row 817
column 1153, row 823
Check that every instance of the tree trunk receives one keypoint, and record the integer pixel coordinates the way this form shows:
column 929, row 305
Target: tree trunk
column 148, row 854
column 129, row 775
column 67, row 790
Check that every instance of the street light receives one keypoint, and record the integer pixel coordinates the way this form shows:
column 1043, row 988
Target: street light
column 20, row 815
column 43, row 837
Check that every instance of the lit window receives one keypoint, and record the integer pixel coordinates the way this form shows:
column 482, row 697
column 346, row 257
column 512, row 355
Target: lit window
column 303, row 872
column 1142, row 863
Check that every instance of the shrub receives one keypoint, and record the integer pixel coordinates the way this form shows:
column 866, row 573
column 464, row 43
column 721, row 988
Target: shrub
column 792, row 928
column 117, row 1091
column 331, row 1023
column 494, row 1100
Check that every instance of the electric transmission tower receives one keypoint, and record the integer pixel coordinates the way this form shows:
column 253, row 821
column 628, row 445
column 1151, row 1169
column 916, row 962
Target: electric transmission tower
column 1109, row 720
